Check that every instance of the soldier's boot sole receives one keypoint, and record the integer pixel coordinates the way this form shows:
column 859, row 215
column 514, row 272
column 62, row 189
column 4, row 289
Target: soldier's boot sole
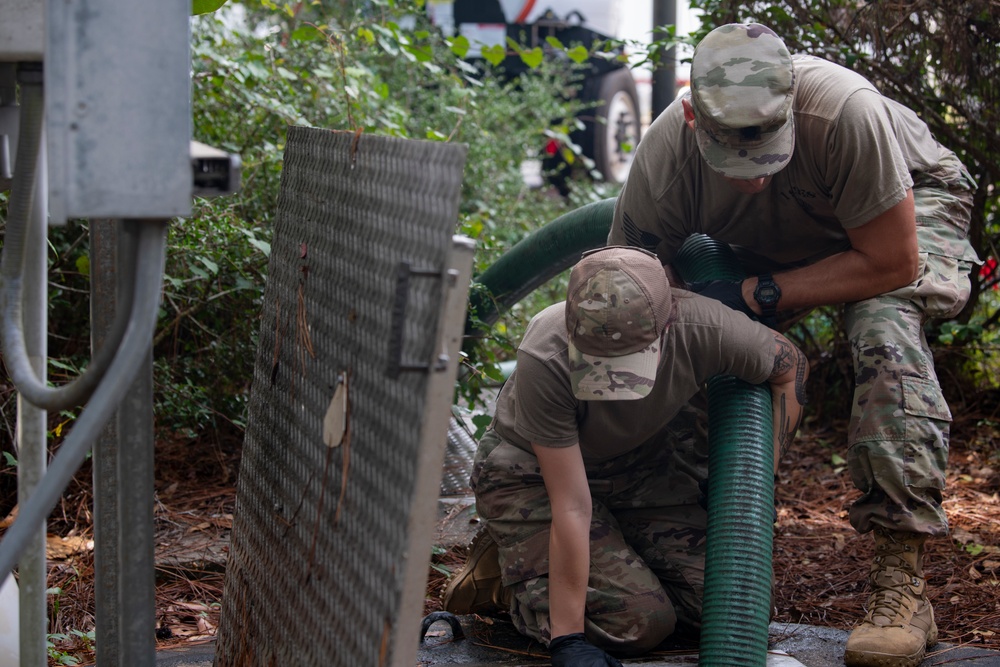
column 868, row 646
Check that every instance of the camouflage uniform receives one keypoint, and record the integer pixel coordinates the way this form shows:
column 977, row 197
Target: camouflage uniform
column 585, row 378
column 647, row 538
column 898, row 435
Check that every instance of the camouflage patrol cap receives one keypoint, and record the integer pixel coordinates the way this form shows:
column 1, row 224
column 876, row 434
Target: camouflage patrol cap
column 617, row 306
column 742, row 85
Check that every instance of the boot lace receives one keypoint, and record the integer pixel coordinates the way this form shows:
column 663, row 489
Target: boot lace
column 895, row 589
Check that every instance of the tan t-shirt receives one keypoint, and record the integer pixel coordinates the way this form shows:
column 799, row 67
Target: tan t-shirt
column 536, row 404
column 853, row 157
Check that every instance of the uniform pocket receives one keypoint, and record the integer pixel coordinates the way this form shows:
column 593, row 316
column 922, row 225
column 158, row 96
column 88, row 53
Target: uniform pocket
column 925, row 453
column 943, row 285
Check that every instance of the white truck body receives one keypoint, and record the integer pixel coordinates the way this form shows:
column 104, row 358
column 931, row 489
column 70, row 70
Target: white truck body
column 600, row 16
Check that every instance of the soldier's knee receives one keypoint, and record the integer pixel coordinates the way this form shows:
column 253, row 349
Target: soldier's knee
column 631, row 625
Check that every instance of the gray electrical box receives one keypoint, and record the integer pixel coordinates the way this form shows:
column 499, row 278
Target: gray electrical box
column 118, row 108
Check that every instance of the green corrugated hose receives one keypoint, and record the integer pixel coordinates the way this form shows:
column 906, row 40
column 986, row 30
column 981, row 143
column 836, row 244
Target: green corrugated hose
column 537, row 258
column 736, row 606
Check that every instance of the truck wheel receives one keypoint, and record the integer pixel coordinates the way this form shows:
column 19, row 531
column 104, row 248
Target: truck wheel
column 616, row 130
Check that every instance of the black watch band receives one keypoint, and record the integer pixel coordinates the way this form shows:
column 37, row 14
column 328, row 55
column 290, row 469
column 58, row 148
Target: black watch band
column 767, row 294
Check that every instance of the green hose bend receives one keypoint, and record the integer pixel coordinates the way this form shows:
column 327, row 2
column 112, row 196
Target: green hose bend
column 537, row 258
column 737, row 603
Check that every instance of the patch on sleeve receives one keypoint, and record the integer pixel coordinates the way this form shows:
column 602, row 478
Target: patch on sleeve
column 637, row 237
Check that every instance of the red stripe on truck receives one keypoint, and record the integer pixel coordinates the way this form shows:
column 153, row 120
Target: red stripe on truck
column 525, row 10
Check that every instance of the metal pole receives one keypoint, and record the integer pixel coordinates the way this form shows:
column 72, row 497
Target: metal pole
column 665, row 72
column 32, row 429
column 103, row 285
column 136, row 583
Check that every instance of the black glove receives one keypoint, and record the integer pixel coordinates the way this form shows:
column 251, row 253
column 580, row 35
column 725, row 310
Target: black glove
column 575, row 651
column 728, row 292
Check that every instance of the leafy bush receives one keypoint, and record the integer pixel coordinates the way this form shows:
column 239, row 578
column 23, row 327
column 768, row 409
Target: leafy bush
column 258, row 70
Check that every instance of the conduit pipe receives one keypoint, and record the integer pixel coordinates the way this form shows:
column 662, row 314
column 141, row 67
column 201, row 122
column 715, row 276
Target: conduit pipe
column 29, row 386
column 737, row 602
column 150, row 257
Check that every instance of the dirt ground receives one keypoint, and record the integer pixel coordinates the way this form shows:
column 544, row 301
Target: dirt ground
column 820, row 562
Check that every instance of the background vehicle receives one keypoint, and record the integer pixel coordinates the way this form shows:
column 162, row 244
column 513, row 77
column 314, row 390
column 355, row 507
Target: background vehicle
column 612, row 118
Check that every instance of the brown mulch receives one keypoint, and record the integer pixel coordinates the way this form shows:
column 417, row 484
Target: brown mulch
column 820, row 562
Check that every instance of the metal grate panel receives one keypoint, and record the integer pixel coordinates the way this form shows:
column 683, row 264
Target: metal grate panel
column 327, row 563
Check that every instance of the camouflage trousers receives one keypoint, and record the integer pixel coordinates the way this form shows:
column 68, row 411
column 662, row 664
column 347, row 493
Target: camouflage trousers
column 898, row 433
column 899, row 428
column 647, row 538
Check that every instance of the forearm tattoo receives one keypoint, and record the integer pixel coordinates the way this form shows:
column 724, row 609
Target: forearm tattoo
column 788, row 357
column 800, row 378
column 784, row 358
column 787, row 428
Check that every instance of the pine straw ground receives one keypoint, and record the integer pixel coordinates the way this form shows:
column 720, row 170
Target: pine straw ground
column 819, row 561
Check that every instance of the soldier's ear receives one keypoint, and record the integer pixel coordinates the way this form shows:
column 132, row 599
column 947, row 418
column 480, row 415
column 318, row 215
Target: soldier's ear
column 688, row 112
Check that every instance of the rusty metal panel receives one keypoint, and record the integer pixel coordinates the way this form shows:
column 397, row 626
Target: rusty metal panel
column 361, row 325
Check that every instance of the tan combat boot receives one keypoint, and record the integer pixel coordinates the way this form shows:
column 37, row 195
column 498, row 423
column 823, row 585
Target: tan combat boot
column 478, row 589
column 899, row 626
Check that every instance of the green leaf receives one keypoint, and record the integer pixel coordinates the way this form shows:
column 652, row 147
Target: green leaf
column 209, row 264
column 421, row 53
column 55, row 363
column 481, row 423
column 205, row 6
column 441, row 569
column 257, row 70
column 307, row 33
column 390, row 47
column 472, row 227
column 83, row 264
column 532, row 58
column 493, row 372
column 263, row 246
column 494, row 54
column 555, row 43
column 578, row 54
column 838, row 460
column 323, row 71
column 460, row 46
column 9, row 458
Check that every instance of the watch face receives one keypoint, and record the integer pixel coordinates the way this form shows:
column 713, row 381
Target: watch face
column 767, row 293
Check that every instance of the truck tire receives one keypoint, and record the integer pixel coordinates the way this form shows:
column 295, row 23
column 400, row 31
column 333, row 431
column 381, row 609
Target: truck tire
column 616, row 128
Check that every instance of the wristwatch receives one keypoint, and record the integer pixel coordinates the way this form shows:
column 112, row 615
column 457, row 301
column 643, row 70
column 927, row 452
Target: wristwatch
column 767, row 294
